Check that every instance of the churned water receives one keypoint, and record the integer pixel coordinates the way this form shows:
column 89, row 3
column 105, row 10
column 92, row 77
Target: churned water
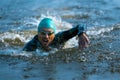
column 18, row 24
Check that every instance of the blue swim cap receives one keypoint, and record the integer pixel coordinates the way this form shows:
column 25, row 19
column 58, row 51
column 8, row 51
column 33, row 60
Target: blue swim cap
column 47, row 23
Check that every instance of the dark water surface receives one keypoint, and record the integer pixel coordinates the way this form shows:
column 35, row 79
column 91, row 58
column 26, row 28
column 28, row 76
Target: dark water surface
column 18, row 24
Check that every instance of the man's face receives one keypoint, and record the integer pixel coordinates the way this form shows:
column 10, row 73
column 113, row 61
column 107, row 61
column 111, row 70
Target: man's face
column 46, row 36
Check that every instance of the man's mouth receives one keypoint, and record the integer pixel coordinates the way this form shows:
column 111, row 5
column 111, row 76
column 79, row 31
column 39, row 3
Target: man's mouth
column 45, row 41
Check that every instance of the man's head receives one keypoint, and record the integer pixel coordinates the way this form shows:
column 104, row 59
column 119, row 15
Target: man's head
column 46, row 31
column 47, row 23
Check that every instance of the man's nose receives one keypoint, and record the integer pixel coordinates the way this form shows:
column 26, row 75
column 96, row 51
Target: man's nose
column 46, row 35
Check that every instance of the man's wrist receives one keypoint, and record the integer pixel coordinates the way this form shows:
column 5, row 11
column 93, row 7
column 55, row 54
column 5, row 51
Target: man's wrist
column 81, row 29
column 81, row 33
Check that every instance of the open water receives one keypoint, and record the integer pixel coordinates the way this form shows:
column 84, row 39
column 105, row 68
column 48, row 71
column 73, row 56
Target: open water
column 18, row 24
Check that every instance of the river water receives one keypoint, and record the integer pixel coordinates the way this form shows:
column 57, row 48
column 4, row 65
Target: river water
column 18, row 24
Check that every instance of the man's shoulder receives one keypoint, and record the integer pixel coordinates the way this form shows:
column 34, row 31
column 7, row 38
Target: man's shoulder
column 32, row 44
column 36, row 37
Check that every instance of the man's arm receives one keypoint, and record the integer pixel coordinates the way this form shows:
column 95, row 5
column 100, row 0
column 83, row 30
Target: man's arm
column 64, row 36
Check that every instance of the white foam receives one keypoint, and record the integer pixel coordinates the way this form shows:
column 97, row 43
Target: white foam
column 12, row 36
column 44, row 53
column 97, row 31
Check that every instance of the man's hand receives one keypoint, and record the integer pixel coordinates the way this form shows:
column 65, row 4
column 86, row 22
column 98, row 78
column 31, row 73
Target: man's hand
column 83, row 41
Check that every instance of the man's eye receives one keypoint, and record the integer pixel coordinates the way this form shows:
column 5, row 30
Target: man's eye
column 49, row 34
column 42, row 33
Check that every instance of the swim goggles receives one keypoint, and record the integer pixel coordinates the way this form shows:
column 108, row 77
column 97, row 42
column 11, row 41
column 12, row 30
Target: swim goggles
column 46, row 33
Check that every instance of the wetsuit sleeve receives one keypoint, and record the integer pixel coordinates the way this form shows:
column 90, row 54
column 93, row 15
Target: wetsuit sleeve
column 31, row 45
column 64, row 36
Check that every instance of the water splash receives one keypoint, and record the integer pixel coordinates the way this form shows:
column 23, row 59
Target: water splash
column 97, row 31
column 19, row 38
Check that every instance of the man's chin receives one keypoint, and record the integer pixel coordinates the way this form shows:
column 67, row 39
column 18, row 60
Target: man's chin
column 45, row 44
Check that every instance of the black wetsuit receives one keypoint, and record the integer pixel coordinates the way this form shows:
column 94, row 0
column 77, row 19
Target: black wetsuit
column 58, row 42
